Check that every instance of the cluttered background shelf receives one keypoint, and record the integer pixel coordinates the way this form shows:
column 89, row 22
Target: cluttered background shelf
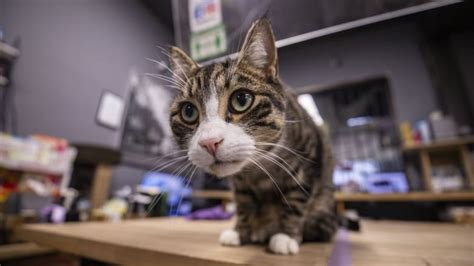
column 354, row 197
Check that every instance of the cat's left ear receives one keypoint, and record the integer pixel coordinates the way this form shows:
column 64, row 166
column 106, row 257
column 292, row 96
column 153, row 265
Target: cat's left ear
column 259, row 48
column 181, row 64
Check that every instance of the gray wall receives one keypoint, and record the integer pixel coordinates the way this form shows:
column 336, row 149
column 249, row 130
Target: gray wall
column 462, row 46
column 389, row 49
column 72, row 50
column 2, row 12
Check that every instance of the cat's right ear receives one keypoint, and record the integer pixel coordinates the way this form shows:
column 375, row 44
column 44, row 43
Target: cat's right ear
column 181, row 64
column 259, row 48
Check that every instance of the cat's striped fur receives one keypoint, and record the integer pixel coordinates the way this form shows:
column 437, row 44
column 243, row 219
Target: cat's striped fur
column 284, row 192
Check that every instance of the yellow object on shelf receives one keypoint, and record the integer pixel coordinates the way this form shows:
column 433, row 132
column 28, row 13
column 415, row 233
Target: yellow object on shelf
column 405, row 132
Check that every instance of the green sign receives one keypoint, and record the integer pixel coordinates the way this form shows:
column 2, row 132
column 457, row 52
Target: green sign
column 208, row 43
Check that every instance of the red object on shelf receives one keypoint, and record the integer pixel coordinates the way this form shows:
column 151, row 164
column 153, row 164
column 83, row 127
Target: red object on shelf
column 416, row 135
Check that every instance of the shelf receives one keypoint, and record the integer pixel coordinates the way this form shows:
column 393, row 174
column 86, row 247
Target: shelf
column 411, row 196
column 459, row 145
column 440, row 144
column 360, row 197
column 213, row 194
column 31, row 168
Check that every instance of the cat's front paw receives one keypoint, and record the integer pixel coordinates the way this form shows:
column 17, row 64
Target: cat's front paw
column 229, row 237
column 283, row 244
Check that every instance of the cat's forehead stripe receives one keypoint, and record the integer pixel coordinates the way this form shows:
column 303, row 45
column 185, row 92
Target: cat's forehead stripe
column 212, row 104
column 192, row 88
column 202, row 79
column 217, row 69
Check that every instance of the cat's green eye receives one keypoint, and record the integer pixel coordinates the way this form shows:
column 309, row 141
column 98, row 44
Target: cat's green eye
column 241, row 101
column 189, row 113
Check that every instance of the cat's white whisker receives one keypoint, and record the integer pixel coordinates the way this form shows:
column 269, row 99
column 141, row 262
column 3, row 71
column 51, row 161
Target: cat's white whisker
column 193, row 169
column 155, row 200
column 170, row 154
column 175, row 75
column 272, row 154
column 165, row 52
column 168, row 163
column 157, row 159
column 170, row 159
column 153, row 203
column 271, row 178
column 166, row 78
column 294, row 152
column 267, row 157
column 295, row 121
column 176, row 87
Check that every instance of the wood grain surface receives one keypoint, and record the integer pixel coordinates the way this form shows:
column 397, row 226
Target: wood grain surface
column 175, row 241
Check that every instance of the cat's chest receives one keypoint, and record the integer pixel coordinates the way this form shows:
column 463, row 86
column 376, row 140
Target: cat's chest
column 252, row 178
column 263, row 181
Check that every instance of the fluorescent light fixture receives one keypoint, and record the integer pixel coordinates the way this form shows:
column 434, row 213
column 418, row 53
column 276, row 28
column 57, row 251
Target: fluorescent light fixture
column 306, row 100
column 358, row 121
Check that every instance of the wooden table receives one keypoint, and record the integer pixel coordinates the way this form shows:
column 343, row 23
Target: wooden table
column 174, row 241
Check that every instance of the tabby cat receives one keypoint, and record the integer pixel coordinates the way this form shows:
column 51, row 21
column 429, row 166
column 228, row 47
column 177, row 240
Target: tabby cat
column 236, row 119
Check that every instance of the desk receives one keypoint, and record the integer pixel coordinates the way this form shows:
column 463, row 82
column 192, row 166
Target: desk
column 174, row 241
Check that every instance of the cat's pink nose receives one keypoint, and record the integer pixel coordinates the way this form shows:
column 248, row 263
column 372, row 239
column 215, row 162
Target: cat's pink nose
column 210, row 145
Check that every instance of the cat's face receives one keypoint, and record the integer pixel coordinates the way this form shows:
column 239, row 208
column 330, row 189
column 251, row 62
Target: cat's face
column 224, row 112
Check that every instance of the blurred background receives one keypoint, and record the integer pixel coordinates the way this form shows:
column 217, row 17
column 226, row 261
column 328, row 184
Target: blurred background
column 84, row 103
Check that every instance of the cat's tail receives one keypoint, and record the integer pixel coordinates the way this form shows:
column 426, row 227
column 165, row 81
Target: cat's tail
column 323, row 226
column 350, row 220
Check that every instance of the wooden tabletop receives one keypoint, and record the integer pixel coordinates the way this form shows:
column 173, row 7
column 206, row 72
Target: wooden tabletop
column 175, row 241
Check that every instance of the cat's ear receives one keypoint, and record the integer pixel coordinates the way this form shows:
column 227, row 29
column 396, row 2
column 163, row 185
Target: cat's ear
column 181, row 64
column 259, row 48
